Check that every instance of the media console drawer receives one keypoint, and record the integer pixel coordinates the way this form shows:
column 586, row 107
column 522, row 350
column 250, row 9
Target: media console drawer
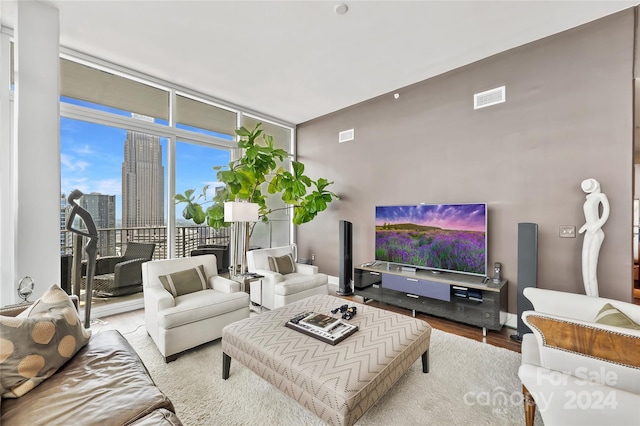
column 363, row 279
column 416, row 286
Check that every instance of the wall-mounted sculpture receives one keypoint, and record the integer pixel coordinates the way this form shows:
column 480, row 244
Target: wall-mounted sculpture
column 593, row 234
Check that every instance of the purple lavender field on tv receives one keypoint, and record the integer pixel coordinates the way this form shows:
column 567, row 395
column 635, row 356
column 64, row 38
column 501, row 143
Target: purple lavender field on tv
column 443, row 237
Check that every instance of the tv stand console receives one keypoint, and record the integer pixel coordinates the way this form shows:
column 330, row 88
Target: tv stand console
column 463, row 298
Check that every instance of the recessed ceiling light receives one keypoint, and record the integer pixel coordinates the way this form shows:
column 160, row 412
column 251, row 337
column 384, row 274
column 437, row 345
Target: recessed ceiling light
column 341, row 8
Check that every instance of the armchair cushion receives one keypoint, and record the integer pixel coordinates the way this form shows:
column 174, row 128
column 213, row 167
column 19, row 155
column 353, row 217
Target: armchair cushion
column 295, row 283
column 610, row 315
column 282, row 264
column 185, row 281
column 36, row 343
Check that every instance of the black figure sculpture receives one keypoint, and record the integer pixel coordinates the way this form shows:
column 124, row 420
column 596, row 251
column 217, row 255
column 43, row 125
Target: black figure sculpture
column 91, row 248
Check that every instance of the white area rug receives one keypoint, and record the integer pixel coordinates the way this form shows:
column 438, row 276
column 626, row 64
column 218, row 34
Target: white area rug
column 469, row 383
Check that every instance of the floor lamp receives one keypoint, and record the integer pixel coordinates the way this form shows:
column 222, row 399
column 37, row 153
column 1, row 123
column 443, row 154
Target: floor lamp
column 240, row 214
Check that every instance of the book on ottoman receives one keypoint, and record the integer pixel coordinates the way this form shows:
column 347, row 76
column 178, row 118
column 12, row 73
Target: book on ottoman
column 321, row 321
column 329, row 329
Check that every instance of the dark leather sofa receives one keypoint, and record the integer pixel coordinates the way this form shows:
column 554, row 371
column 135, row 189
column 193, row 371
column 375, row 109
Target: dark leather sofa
column 105, row 383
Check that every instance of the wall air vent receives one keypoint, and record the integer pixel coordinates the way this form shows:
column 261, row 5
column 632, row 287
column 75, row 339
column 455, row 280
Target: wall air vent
column 346, row 136
column 490, row 97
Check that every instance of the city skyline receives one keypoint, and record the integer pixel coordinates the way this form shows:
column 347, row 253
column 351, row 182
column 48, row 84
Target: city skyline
column 92, row 156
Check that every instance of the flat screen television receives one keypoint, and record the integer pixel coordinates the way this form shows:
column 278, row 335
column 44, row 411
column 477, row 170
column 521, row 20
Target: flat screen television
column 440, row 237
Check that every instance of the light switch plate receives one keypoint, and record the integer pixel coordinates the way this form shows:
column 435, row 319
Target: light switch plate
column 567, row 231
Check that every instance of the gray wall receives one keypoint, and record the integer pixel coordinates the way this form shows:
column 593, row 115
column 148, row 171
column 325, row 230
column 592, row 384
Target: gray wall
column 568, row 117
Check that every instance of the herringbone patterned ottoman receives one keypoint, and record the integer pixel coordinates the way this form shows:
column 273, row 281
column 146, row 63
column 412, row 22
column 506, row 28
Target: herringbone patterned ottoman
column 338, row 383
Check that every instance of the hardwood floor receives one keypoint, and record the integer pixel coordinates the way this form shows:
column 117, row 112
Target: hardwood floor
column 130, row 321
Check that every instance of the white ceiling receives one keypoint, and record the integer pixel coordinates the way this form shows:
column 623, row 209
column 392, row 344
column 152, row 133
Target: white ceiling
column 297, row 60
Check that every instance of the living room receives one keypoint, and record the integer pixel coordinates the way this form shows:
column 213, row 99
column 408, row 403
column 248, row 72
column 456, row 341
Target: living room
column 568, row 116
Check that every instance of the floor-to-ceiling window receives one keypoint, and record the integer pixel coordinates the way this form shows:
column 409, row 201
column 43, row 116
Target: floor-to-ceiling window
column 122, row 174
column 130, row 145
column 108, row 113
column 278, row 230
column 194, row 170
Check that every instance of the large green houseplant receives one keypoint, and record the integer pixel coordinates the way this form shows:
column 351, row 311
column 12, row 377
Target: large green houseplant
column 246, row 178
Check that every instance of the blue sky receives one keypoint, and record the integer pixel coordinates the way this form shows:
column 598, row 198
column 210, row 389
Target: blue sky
column 91, row 157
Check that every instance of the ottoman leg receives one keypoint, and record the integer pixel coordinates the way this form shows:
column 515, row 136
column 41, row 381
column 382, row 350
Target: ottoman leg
column 425, row 361
column 226, row 366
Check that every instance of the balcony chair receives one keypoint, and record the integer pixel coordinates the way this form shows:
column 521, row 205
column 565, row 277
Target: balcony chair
column 192, row 309
column 581, row 364
column 120, row 275
column 221, row 251
column 284, row 281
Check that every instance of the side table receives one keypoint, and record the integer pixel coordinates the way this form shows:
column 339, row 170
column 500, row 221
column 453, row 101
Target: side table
column 245, row 281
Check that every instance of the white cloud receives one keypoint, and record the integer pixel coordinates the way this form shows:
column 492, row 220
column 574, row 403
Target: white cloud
column 103, row 186
column 70, row 184
column 84, row 150
column 69, row 162
column 107, row 186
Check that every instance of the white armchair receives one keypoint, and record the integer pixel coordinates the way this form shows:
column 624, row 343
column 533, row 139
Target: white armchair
column 279, row 289
column 179, row 323
column 578, row 371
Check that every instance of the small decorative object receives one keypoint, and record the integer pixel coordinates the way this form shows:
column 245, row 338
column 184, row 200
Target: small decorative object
column 91, row 248
column 25, row 288
column 347, row 312
column 593, row 234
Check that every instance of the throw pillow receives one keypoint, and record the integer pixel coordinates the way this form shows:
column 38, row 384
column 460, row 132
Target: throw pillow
column 610, row 315
column 34, row 346
column 184, row 282
column 282, row 264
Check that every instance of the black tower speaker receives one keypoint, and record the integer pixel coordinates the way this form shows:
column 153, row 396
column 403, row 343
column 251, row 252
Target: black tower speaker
column 346, row 263
column 527, row 271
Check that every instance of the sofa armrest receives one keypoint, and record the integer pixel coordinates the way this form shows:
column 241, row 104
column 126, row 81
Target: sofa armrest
column 270, row 276
column 306, row 269
column 223, row 285
column 613, row 344
column 577, row 306
column 579, row 347
column 14, row 310
column 157, row 299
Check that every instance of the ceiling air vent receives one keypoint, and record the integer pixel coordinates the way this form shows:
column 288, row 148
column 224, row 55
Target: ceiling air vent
column 490, row 97
column 346, row 136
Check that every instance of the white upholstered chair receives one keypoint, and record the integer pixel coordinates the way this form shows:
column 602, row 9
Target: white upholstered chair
column 179, row 323
column 279, row 289
column 578, row 371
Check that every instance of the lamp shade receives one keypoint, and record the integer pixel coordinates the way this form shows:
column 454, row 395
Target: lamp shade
column 240, row 212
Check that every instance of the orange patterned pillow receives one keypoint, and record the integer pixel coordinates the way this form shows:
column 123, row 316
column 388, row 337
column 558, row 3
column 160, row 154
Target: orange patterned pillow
column 36, row 343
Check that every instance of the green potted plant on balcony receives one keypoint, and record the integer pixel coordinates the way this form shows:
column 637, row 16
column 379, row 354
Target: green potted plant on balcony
column 246, row 178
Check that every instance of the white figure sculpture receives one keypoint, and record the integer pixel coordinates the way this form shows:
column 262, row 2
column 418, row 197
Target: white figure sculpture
column 593, row 234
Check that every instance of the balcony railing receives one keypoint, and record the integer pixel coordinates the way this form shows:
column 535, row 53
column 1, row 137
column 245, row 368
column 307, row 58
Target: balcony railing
column 113, row 241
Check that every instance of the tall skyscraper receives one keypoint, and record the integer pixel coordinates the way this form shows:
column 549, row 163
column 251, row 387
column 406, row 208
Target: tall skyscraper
column 103, row 211
column 142, row 181
column 66, row 238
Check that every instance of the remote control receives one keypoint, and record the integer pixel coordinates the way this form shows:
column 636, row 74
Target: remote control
column 297, row 318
